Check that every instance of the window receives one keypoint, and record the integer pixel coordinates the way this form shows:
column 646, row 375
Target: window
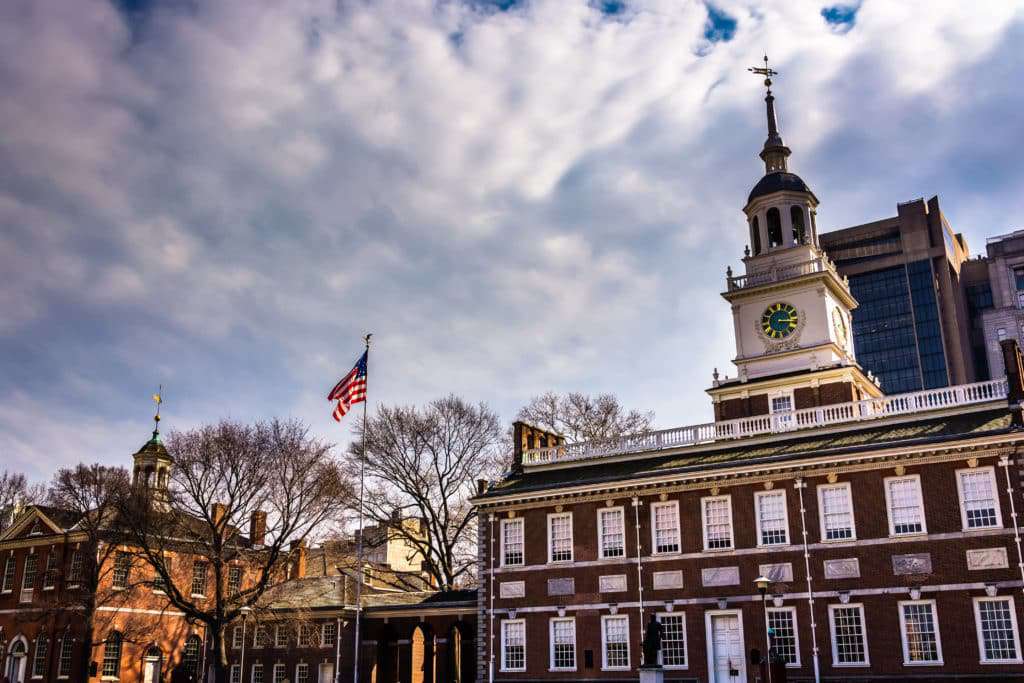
column 39, row 660
column 28, row 580
column 782, row 622
column 615, row 642
column 259, row 636
column 236, row 673
column 122, row 566
column 199, row 578
column 665, row 517
column 883, row 327
column 75, row 571
column 159, row 585
column 50, row 575
column 717, row 513
column 796, row 215
column 280, row 636
column 903, row 499
column 9, row 567
column 513, row 645
column 112, row 656
column 979, row 502
column 673, row 640
column 302, row 635
column 237, row 636
column 1018, row 277
column 563, row 644
column 190, row 656
column 560, row 537
column 772, row 518
column 836, row 509
column 257, row 673
column 280, row 671
column 920, row 630
column 849, row 640
column 611, row 532
column 782, row 411
column 302, row 673
column 234, row 580
column 512, row 542
column 774, row 228
column 998, row 638
column 328, row 634
column 67, row 644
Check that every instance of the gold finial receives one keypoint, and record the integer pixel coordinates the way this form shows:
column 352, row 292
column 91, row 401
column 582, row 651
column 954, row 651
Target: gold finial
column 765, row 71
column 158, row 398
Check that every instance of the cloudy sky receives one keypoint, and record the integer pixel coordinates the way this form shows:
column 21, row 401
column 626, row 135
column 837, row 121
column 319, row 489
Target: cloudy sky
column 513, row 196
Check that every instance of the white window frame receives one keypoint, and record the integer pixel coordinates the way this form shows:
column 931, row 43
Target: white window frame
column 278, row 666
column 65, row 640
column 785, row 517
column 1013, row 622
column 509, row 522
column 784, row 422
column 280, row 637
column 75, row 569
column 206, row 579
column 796, row 634
column 238, row 637
column 297, row 666
column 864, row 636
column 605, row 618
column 903, row 632
column 235, row 669
column 504, row 623
column 888, row 506
column 252, row 672
column 686, row 643
column 674, row 506
column 600, row 535
column 963, row 503
column 10, row 572
column 302, row 638
column 572, row 540
column 551, row 644
column 51, row 570
column 322, row 629
column 28, row 580
column 821, row 512
column 704, row 522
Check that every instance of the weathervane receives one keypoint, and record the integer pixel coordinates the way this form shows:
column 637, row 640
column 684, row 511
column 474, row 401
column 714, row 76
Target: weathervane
column 766, row 72
column 157, row 399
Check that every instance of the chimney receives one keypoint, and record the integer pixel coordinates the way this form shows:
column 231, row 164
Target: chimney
column 298, row 559
column 526, row 437
column 258, row 527
column 217, row 512
column 1014, row 366
column 481, row 486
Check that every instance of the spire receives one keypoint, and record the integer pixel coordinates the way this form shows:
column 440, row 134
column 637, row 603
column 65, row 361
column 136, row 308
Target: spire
column 775, row 151
column 158, row 399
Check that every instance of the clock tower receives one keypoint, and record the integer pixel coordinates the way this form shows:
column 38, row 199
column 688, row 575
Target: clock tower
column 791, row 308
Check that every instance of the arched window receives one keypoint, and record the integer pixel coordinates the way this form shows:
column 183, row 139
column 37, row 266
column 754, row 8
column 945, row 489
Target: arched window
column 39, row 661
column 796, row 214
column 190, row 657
column 112, row 656
column 774, row 228
column 755, row 236
column 64, row 661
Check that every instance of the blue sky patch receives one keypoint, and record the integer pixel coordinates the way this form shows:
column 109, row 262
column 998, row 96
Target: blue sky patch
column 720, row 26
column 840, row 17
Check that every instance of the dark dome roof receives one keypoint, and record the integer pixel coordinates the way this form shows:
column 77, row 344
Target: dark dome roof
column 777, row 182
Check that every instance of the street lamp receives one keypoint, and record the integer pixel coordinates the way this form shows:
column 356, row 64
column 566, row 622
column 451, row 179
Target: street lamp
column 762, row 582
column 245, row 615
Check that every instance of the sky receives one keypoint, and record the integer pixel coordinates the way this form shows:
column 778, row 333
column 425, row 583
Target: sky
column 513, row 196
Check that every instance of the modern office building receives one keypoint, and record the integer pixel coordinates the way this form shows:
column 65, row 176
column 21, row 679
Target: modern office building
column 910, row 327
column 994, row 290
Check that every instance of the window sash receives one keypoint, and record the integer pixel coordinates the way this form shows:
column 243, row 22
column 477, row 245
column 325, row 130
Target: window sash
column 615, row 642
column 236, row 673
column 328, row 634
column 673, row 640
column 665, row 522
column 785, row 638
column 234, row 580
column 919, row 626
column 563, row 644
column 280, row 636
column 190, row 655
column 998, row 637
column 979, row 499
column 513, row 645
column 904, row 502
column 512, row 531
column 611, row 532
column 302, row 673
column 9, row 569
column 560, row 537
column 122, row 567
column 835, row 502
column 257, row 673
column 50, row 574
column 302, row 635
column 236, row 637
column 112, row 656
column 280, row 672
column 849, row 635
column 199, row 578
column 39, row 658
column 772, row 518
column 717, row 518
column 64, row 660
column 75, row 572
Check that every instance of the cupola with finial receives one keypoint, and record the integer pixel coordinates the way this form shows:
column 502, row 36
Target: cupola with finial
column 152, row 471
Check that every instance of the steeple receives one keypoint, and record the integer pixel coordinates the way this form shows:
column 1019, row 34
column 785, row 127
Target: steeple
column 152, row 469
column 775, row 152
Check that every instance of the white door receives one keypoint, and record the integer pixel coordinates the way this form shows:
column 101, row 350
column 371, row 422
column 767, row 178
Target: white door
column 151, row 671
column 727, row 649
column 16, row 668
column 326, row 673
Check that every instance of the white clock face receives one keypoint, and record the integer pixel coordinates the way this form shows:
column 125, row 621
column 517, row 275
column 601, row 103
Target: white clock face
column 839, row 323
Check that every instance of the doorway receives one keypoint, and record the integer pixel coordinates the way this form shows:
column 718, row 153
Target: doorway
column 17, row 660
column 326, row 673
column 726, row 660
column 151, row 665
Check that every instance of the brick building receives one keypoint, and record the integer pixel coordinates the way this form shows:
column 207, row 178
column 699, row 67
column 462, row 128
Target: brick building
column 886, row 525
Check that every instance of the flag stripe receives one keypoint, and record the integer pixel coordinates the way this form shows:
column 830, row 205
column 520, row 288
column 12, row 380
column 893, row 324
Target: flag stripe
column 350, row 390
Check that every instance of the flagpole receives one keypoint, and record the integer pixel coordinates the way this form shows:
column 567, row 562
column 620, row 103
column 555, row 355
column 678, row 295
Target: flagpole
column 359, row 539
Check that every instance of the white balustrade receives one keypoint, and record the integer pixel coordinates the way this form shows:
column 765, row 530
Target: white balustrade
column 775, row 423
column 816, row 265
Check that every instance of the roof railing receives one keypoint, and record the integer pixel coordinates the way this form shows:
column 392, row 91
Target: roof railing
column 775, row 423
column 819, row 264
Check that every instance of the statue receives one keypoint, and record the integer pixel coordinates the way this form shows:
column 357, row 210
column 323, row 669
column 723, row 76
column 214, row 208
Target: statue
column 652, row 643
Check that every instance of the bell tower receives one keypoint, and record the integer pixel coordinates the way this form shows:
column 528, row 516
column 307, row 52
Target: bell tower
column 791, row 308
column 152, row 469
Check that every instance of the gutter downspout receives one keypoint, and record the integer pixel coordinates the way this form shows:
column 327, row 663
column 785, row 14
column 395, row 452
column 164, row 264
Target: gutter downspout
column 1004, row 462
column 337, row 651
column 490, row 628
column 639, row 577
column 800, row 485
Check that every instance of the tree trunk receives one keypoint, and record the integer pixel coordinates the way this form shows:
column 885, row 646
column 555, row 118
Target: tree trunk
column 219, row 656
column 88, row 617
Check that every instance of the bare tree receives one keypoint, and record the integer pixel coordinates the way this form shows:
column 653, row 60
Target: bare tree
column 581, row 417
column 423, row 464
column 15, row 494
column 270, row 475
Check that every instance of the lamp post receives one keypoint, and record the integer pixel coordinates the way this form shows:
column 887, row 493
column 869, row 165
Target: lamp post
column 762, row 582
column 245, row 616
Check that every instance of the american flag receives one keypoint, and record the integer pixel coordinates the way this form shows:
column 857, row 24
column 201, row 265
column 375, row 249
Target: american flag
column 350, row 390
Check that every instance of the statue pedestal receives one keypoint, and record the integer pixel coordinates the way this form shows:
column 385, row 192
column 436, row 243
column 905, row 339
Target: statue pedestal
column 652, row 674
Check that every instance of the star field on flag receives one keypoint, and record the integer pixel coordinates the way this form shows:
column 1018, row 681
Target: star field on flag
column 350, row 390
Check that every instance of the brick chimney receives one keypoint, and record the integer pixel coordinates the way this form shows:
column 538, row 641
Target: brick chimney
column 258, row 527
column 1014, row 366
column 298, row 559
column 217, row 512
column 525, row 437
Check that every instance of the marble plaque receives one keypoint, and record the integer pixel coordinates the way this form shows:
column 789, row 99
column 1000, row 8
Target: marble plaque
column 848, row 568
column 561, row 586
column 720, row 576
column 668, row 579
column 612, row 583
column 778, row 573
column 987, row 558
column 512, row 589
column 918, row 563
